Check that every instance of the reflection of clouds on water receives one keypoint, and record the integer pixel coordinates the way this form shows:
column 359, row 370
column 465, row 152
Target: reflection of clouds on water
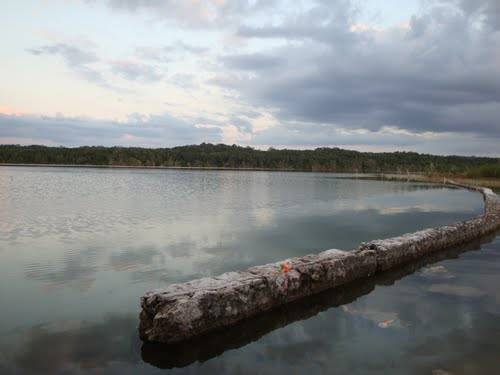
column 471, row 350
column 182, row 249
column 297, row 352
column 436, row 272
column 213, row 247
column 76, row 269
column 245, row 218
column 264, row 217
column 402, row 209
column 65, row 226
column 132, row 259
column 78, row 346
column 148, row 264
column 383, row 319
column 99, row 238
column 101, row 203
column 460, row 291
column 160, row 275
column 443, row 200
column 316, row 345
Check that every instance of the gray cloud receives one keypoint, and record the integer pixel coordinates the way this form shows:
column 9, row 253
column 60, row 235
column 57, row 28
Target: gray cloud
column 72, row 54
column 158, row 131
column 207, row 13
column 254, row 61
column 158, row 54
column 185, row 47
column 88, row 65
column 441, row 74
column 326, row 22
column 77, row 58
column 135, row 71
column 183, row 80
column 242, row 124
column 311, row 135
column 168, row 53
column 487, row 11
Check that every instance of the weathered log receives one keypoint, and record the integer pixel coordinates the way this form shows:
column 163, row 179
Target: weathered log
column 183, row 311
column 204, row 347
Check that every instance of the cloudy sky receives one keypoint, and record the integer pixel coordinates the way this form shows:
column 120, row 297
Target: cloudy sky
column 371, row 75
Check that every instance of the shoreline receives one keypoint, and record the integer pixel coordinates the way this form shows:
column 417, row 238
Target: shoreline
column 441, row 179
column 385, row 176
column 374, row 175
column 116, row 166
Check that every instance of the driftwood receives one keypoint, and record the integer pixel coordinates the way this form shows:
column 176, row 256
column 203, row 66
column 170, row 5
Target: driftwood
column 183, row 311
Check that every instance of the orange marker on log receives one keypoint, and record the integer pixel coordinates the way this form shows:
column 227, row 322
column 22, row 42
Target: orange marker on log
column 286, row 267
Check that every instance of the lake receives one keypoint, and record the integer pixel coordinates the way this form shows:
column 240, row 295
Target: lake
column 79, row 246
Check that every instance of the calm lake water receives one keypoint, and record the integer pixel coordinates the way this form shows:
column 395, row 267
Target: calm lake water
column 78, row 247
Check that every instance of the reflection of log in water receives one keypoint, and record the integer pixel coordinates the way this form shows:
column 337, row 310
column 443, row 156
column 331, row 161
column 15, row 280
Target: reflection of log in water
column 213, row 344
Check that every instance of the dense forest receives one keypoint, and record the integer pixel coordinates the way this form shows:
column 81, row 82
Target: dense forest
column 224, row 156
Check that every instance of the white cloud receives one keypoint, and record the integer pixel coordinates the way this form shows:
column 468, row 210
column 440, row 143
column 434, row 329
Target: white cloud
column 146, row 131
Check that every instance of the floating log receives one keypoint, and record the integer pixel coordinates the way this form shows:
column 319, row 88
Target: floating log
column 204, row 347
column 183, row 311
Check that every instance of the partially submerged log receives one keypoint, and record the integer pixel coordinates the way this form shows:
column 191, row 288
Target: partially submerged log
column 183, row 311
column 204, row 347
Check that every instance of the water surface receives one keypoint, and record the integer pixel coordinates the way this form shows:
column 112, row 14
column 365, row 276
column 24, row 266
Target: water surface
column 78, row 246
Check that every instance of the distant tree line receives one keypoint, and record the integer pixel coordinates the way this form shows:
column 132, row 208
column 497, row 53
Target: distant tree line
column 484, row 171
column 225, row 156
